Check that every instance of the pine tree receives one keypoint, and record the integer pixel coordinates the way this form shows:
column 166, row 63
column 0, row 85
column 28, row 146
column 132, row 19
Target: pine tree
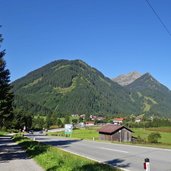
column 6, row 95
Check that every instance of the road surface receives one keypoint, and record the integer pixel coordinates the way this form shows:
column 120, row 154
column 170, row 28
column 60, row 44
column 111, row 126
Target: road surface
column 127, row 157
column 13, row 158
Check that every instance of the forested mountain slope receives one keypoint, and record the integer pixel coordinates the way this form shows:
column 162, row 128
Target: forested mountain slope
column 67, row 87
column 72, row 87
column 153, row 97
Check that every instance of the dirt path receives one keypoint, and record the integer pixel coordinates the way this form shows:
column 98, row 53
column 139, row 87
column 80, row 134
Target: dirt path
column 13, row 158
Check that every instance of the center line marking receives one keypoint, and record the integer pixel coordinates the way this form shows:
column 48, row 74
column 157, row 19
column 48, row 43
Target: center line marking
column 113, row 150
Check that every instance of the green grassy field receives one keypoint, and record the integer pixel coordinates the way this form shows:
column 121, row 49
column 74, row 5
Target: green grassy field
column 54, row 159
column 83, row 133
column 86, row 133
column 164, row 131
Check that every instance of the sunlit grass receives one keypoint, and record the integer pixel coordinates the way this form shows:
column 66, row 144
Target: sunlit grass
column 55, row 159
column 164, row 132
column 2, row 133
column 90, row 133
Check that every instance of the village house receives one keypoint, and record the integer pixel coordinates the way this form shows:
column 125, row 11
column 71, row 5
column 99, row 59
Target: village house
column 93, row 117
column 139, row 118
column 75, row 115
column 98, row 118
column 89, row 123
column 82, row 116
column 113, row 132
column 118, row 121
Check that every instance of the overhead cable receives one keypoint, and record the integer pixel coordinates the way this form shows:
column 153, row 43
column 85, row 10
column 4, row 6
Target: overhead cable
column 158, row 17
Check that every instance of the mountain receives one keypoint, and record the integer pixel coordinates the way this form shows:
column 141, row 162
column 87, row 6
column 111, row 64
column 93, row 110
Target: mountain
column 68, row 87
column 127, row 79
column 153, row 97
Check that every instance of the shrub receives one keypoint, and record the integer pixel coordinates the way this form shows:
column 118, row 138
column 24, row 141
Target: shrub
column 140, row 140
column 154, row 137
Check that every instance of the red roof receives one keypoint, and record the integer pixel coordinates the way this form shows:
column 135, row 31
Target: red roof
column 111, row 128
column 89, row 122
column 118, row 119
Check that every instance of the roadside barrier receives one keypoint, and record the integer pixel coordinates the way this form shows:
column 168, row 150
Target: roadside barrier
column 147, row 164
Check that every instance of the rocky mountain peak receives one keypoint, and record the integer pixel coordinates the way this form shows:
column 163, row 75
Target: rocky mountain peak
column 126, row 79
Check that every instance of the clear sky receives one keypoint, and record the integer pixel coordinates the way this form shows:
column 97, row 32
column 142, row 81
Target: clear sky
column 114, row 36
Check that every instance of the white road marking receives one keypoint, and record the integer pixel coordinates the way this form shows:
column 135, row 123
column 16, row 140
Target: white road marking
column 129, row 145
column 121, row 151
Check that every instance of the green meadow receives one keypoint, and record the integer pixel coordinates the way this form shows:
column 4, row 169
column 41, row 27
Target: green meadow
column 165, row 133
column 89, row 133
column 86, row 133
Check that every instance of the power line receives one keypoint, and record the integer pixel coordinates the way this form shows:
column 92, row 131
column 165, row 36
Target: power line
column 158, row 17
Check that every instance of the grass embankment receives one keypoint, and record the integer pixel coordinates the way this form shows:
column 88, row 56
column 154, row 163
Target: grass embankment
column 54, row 159
column 2, row 133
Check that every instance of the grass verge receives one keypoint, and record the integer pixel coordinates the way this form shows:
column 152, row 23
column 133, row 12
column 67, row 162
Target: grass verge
column 2, row 133
column 55, row 159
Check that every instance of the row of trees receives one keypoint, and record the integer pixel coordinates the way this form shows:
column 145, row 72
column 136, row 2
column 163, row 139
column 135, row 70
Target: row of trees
column 22, row 119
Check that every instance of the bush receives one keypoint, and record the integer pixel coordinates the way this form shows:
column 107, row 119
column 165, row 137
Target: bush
column 140, row 140
column 154, row 137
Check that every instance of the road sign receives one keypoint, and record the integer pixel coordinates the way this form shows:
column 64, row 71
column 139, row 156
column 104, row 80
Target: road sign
column 68, row 128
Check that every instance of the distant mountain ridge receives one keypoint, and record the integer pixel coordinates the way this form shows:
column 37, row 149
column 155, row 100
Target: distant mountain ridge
column 126, row 79
column 66, row 87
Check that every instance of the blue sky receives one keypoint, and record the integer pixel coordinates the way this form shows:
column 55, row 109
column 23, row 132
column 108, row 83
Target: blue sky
column 114, row 36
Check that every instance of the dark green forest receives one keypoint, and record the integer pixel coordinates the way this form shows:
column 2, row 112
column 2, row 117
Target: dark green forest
column 66, row 87
column 153, row 97
column 71, row 87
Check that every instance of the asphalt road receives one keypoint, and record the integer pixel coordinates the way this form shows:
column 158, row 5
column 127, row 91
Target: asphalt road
column 127, row 157
column 13, row 158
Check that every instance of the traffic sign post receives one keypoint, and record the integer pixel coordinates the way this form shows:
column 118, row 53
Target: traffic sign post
column 68, row 129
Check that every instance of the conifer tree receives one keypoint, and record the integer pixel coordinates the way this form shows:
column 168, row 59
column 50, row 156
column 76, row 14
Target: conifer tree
column 6, row 95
